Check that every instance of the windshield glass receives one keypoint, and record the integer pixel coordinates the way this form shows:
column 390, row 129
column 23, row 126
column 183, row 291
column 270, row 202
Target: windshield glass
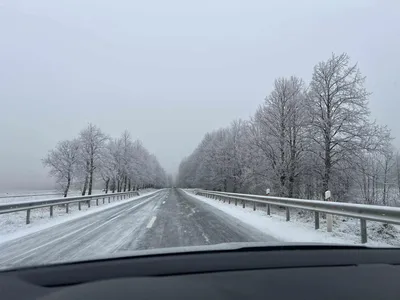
column 148, row 125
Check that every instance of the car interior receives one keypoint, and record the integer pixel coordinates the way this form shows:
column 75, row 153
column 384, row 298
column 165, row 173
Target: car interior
column 274, row 272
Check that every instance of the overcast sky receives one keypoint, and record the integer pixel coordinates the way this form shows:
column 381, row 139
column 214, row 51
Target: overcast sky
column 169, row 71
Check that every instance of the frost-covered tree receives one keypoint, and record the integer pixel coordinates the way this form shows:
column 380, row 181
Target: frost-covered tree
column 301, row 142
column 122, row 164
column 93, row 142
column 279, row 128
column 338, row 107
column 63, row 161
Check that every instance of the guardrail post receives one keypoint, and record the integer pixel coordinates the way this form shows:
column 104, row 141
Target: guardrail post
column 268, row 209
column 235, row 202
column 329, row 222
column 67, row 208
column 88, row 204
column 104, row 199
column 109, row 199
column 244, row 204
column 97, row 202
column 51, row 211
column 364, row 237
column 254, row 205
column 223, row 199
column 287, row 214
column 28, row 215
column 316, row 220
column 229, row 200
column 79, row 205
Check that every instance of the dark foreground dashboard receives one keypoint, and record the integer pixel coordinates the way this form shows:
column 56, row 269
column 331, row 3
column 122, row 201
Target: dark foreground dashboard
column 269, row 273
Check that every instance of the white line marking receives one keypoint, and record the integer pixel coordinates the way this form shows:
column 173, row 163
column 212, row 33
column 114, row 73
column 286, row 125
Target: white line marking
column 153, row 219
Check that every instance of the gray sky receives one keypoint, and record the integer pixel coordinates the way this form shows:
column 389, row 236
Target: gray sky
column 169, row 71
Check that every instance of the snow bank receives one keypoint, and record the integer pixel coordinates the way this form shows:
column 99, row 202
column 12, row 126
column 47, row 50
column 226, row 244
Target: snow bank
column 301, row 226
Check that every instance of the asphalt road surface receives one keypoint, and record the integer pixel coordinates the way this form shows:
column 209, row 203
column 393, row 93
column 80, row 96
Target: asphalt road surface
column 168, row 218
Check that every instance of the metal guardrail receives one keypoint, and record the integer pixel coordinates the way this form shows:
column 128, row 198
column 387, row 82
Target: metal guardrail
column 28, row 206
column 390, row 215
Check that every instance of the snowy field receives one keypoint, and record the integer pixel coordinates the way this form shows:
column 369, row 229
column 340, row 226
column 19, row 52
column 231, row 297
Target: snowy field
column 14, row 225
column 301, row 226
column 27, row 196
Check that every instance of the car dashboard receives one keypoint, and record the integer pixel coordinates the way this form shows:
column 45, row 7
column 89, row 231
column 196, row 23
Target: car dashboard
column 295, row 272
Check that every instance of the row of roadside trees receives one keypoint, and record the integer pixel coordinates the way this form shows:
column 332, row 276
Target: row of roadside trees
column 303, row 140
column 94, row 158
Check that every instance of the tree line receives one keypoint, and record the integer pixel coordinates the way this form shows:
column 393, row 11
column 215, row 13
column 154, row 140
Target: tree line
column 118, row 164
column 303, row 140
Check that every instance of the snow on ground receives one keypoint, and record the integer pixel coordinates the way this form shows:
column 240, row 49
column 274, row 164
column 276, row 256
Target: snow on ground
column 25, row 196
column 301, row 226
column 14, row 225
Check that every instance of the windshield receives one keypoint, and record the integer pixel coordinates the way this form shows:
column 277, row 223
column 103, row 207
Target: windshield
column 132, row 126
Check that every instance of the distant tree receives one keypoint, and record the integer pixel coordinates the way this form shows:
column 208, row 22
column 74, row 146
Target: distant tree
column 93, row 142
column 62, row 162
column 122, row 164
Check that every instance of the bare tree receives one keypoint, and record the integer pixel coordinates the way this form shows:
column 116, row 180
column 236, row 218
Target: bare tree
column 339, row 113
column 302, row 143
column 281, row 121
column 62, row 162
column 93, row 141
column 387, row 165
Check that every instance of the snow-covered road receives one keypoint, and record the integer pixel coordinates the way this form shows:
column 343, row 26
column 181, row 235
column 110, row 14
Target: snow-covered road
column 169, row 218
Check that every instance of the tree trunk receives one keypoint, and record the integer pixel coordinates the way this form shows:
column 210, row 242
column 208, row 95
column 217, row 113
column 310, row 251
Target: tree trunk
column 90, row 183
column 384, row 196
column 85, row 185
column 374, row 187
column 328, row 166
column 291, row 186
column 91, row 176
column 67, row 187
column 107, row 183
column 129, row 185
column 125, row 182
column 292, row 170
column 113, row 185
